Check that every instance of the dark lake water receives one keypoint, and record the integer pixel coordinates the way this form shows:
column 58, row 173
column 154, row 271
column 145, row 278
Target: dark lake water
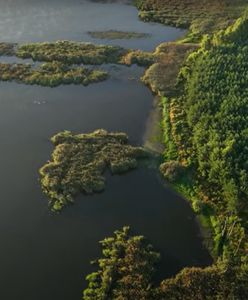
column 46, row 256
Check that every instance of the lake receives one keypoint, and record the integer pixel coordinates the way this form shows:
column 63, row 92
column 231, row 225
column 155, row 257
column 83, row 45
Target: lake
column 45, row 255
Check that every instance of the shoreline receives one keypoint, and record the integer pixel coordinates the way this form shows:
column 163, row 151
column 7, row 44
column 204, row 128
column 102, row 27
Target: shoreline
column 216, row 221
column 152, row 137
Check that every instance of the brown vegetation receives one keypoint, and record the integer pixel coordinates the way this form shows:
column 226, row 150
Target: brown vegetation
column 161, row 77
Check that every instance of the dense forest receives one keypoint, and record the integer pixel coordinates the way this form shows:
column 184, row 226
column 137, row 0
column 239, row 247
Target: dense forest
column 213, row 121
column 206, row 128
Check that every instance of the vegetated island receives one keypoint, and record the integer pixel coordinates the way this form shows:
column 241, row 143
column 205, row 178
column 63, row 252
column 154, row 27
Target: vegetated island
column 71, row 52
column 80, row 160
column 62, row 60
column 50, row 74
column 118, row 35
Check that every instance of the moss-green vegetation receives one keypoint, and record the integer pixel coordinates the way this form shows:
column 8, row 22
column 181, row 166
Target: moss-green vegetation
column 117, row 35
column 7, row 49
column 50, row 74
column 71, row 52
column 126, row 269
column 199, row 16
column 79, row 161
column 129, row 262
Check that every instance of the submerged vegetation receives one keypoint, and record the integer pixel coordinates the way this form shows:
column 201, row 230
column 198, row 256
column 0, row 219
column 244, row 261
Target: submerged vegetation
column 7, row 49
column 116, row 35
column 79, row 162
column 71, row 52
column 50, row 74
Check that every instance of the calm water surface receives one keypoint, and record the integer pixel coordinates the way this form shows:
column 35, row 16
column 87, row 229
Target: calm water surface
column 46, row 256
column 49, row 20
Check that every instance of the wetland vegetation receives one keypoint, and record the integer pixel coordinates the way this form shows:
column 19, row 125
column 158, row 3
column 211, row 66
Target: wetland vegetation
column 79, row 162
column 117, row 35
column 7, row 49
column 50, row 74
column 71, row 52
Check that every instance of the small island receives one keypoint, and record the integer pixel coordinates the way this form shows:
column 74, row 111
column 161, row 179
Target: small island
column 118, row 35
column 71, row 52
column 50, row 74
column 80, row 160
